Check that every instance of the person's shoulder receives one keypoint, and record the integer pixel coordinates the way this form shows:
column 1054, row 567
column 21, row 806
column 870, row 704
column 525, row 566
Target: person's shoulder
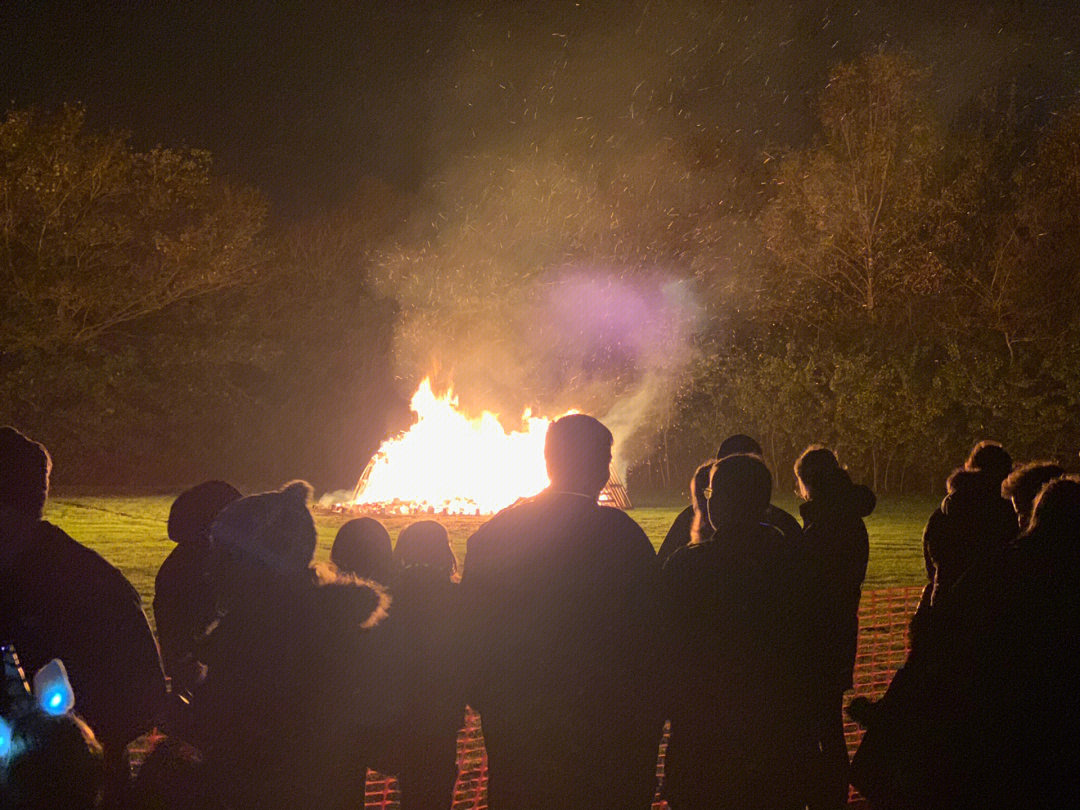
column 181, row 562
column 624, row 528
column 768, row 536
column 79, row 561
column 784, row 521
column 80, row 577
column 618, row 517
column 935, row 523
column 684, row 517
column 501, row 523
column 694, row 555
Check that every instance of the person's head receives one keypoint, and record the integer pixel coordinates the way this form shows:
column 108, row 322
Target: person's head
column 54, row 762
column 739, row 443
column 739, row 491
column 700, row 527
column 819, row 474
column 991, row 458
column 195, row 509
column 577, row 450
column 1056, row 514
column 362, row 547
column 270, row 534
column 24, row 473
column 426, row 543
column 1024, row 483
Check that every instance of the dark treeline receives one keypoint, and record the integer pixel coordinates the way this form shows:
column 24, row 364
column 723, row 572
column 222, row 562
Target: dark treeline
column 908, row 278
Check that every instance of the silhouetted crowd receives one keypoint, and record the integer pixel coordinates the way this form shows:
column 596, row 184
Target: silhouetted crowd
column 276, row 681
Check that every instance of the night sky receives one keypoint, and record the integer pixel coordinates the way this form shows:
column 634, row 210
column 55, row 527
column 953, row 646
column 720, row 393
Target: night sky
column 304, row 98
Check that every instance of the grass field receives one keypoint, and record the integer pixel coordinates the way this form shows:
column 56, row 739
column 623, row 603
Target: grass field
column 130, row 533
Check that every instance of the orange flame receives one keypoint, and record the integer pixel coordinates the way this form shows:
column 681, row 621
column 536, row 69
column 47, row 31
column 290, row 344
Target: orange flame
column 450, row 464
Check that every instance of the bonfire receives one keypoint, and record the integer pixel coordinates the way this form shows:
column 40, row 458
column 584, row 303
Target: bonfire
column 450, row 464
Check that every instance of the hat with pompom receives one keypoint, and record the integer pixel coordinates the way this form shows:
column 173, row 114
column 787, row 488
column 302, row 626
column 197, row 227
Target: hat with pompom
column 274, row 529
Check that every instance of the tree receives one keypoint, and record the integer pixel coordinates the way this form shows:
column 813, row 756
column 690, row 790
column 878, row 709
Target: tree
column 850, row 228
column 113, row 265
column 94, row 234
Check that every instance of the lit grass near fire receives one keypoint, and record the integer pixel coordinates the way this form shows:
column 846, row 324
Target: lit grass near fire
column 130, row 533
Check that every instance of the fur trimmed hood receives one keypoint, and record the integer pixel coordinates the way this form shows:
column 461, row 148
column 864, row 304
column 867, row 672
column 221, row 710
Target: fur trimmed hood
column 357, row 602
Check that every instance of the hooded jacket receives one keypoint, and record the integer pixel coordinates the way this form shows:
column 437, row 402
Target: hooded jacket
column 838, row 550
column 972, row 522
column 279, row 713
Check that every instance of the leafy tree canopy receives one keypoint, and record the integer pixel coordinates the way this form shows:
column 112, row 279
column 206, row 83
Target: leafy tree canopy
column 94, row 234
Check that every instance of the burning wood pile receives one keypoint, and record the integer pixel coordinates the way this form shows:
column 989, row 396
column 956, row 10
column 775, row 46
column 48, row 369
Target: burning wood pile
column 448, row 464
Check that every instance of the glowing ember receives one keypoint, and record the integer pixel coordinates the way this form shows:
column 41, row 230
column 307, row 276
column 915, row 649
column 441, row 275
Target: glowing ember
column 451, row 464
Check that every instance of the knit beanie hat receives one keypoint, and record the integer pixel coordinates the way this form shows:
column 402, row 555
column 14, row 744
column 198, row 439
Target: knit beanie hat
column 274, row 529
column 195, row 509
column 24, row 472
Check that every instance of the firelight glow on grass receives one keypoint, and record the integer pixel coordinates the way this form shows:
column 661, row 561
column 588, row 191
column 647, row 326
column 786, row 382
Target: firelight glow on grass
column 452, row 464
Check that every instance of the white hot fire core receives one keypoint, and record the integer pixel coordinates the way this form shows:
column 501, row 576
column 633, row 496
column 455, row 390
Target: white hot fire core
column 451, row 464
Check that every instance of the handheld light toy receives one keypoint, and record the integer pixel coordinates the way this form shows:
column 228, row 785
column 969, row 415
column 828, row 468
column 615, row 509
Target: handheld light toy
column 53, row 689
column 52, row 695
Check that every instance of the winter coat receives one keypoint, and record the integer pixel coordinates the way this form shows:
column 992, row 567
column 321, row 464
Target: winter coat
column 561, row 601
column 184, row 608
column 1014, row 662
column 59, row 599
column 838, row 550
column 985, row 712
column 679, row 533
column 973, row 521
column 736, row 614
column 280, row 712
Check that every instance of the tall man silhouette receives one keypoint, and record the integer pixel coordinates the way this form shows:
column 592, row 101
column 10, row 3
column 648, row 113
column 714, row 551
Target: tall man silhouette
column 59, row 599
column 561, row 597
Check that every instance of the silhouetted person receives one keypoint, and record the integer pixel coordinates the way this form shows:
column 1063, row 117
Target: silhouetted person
column 1015, row 665
column 279, row 713
column 973, row 519
column 1023, row 485
column 422, row 638
column 680, row 532
column 984, row 713
column 838, row 549
column 740, row 734
column 59, row 599
column 561, row 600
column 691, row 525
column 183, row 599
column 362, row 547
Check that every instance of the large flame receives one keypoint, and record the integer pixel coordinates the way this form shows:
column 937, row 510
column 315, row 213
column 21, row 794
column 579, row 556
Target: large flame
column 450, row 464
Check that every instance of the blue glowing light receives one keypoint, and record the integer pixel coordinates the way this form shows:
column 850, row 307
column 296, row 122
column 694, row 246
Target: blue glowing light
column 53, row 690
column 5, row 739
